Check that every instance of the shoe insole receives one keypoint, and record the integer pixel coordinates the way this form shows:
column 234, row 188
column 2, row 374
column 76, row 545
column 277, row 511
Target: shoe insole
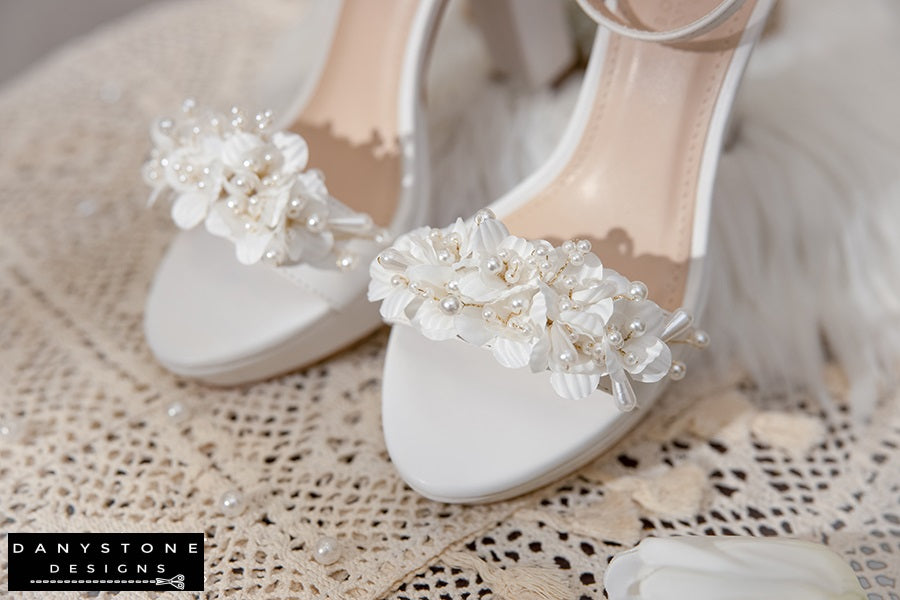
column 631, row 185
column 350, row 121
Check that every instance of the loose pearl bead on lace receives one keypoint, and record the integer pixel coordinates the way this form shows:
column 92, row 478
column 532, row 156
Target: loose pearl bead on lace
column 11, row 430
column 232, row 503
column 327, row 551
column 177, row 412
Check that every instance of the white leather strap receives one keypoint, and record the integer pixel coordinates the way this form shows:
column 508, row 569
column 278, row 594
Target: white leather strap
column 599, row 12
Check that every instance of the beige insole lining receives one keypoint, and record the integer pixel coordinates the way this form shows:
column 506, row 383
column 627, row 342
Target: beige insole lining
column 631, row 184
column 350, row 121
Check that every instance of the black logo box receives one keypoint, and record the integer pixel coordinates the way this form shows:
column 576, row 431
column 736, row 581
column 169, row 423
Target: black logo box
column 105, row 561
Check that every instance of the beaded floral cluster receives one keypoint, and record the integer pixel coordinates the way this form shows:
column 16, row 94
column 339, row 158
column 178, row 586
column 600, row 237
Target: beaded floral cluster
column 531, row 304
column 250, row 184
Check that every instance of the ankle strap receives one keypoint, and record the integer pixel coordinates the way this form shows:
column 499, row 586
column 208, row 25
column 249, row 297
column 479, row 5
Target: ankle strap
column 599, row 12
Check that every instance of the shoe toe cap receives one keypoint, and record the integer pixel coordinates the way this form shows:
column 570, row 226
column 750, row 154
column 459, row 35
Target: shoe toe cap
column 461, row 428
column 205, row 310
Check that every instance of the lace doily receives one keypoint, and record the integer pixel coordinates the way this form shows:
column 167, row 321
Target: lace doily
column 97, row 450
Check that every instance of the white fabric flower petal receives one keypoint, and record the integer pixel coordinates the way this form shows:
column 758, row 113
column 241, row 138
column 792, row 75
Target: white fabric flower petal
column 470, row 327
column 393, row 309
column 294, row 149
column 488, row 236
column 190, row 209
column 730, row 568
column 656, row 365
column 574, row 386
column 584, row 321
column 250, row 248
column 238, row 147
column 510, row 353
column 434, row 323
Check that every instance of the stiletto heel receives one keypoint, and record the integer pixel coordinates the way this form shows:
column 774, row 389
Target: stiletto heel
column 528, row 40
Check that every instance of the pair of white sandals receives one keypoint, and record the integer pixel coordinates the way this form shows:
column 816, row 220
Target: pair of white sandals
column 283, row 270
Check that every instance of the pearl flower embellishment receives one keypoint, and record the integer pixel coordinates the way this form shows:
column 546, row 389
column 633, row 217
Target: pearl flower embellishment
column 531, row 304
column 250, row 185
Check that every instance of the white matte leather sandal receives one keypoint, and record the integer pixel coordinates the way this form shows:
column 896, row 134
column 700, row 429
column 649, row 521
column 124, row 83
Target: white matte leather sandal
column 270, row 272
column 525, row 355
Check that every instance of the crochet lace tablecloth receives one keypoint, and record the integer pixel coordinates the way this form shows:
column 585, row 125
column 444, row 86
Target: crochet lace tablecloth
column 97, row 451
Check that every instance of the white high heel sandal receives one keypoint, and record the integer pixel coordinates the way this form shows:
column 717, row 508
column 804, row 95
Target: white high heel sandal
column 260, row 194
column 631, row 181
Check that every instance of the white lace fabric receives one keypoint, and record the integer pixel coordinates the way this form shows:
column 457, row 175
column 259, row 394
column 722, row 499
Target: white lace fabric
column 99, row 453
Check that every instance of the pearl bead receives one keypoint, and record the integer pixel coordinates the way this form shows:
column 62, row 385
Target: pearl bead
column 451, row 305
column 391, row 259
column 583, row 246
column 630, row 359
column 637, row 290
column 637, row 327
column 567, row 356
column 435, row 235
column 454, row 239
column 614, row 337
column 677, row 371
column 493, row 265
column 624, row 396
column 541, row 251
column 576, row 259
column 327, row 551
column 488, row 314
column 701, row 339
column 483, row 215
column 177, row 411
column 315, row 223
column 445, row 256
column 10, row 430
column 232, row 503
column 345, row 262
column 517, row 304
column 453, row 285
column 569, row 281
column 568, row 246
column 398, row 280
